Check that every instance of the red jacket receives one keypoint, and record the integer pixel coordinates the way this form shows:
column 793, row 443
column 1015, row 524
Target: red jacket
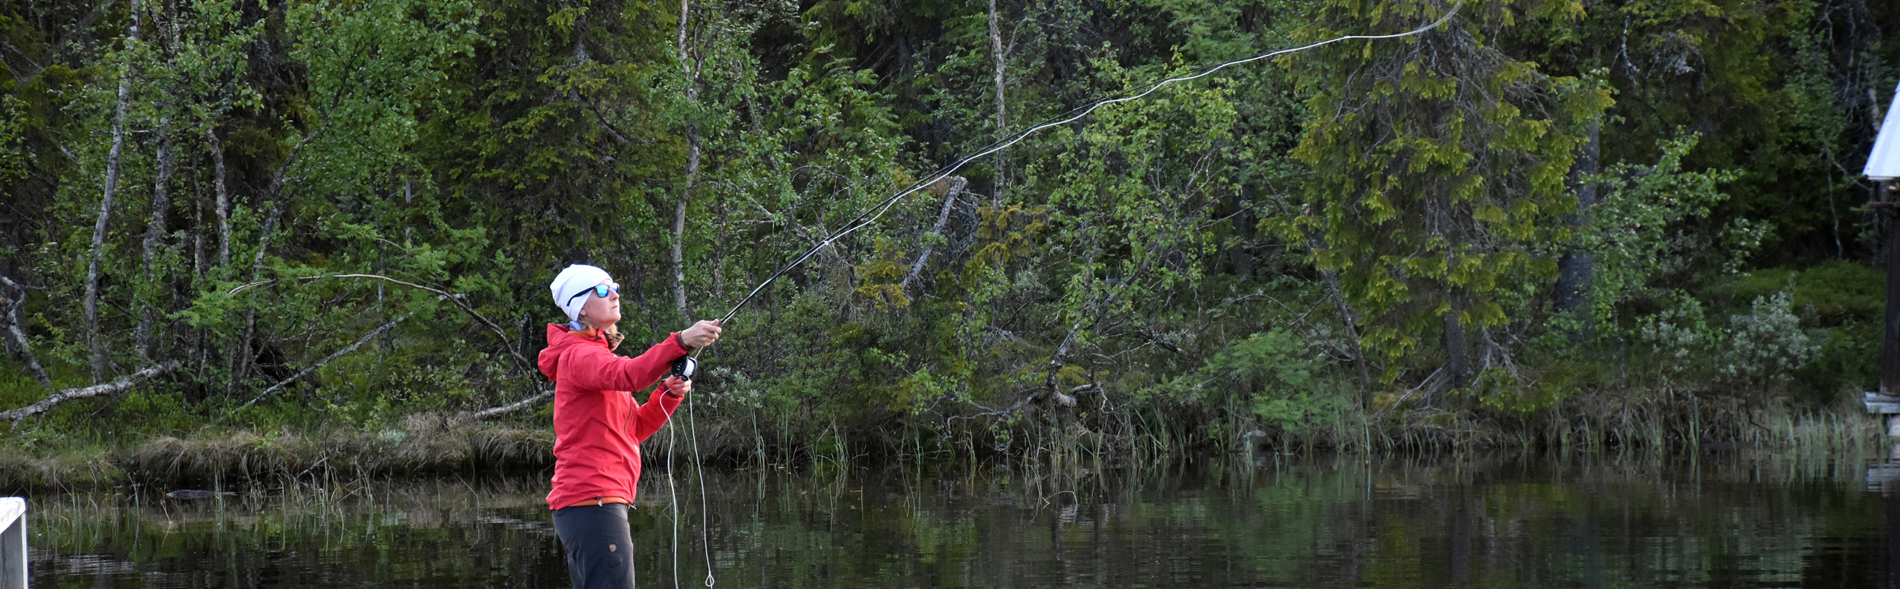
column 597, row 429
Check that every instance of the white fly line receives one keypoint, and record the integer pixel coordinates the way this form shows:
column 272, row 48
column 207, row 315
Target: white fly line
column 872, row 214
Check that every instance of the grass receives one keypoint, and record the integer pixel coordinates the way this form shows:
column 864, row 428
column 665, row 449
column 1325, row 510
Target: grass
column 419, row 444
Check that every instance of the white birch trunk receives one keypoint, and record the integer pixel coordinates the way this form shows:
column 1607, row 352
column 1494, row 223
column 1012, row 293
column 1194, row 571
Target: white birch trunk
column 224, row 197
column 155, row 233
column 91, row 326
column 1002, row 106
column 692, row 167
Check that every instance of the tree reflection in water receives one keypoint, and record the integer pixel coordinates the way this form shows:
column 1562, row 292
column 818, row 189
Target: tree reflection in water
column 1714, row 520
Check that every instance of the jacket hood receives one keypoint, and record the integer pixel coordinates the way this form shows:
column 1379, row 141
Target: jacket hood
column 560, row 340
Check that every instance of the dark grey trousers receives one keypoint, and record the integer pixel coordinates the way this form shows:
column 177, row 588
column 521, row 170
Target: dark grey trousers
column 599, row 545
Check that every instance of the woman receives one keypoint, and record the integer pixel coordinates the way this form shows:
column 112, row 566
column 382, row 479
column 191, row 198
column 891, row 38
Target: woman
column 597, row 427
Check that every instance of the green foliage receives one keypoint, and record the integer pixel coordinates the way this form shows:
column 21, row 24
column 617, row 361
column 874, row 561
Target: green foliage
column 1679, row 339
column 1836, row 293
column 1271, row 375
column 1765, row 346
column 1103, row 282
column 1845, row 364
column 11, row 160
column 1643, row 230
column 1439, row 166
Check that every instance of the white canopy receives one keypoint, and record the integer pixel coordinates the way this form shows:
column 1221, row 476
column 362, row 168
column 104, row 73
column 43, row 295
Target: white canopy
column 1884, row 162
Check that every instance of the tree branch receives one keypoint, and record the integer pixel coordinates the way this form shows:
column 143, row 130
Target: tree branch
column 326, row 360
column 18, row 335
column 957, row 183
column 16, row 415
column 459, row 300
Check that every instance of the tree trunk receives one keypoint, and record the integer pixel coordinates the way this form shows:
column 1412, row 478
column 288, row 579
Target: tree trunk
column 949, row 202
column 1457, row 347
column 679, row 224
column 1346, row 314
column 241, row 363
column 1576, row 269
column 155, row 233
column 688, row 67
column 224, row 198
column 1000, row 61
column 1239, row 255
column 198, row 261
column 91, row 327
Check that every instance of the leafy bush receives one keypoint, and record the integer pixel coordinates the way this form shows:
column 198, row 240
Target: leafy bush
column 1765, row 346
column 1677, row 337
column 1273, row 376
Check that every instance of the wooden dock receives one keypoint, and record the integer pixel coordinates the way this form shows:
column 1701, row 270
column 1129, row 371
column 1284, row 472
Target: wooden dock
column 12, row 543
column 1888, row 408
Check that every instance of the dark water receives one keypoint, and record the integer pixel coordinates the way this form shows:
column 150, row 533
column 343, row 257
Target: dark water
column 1714, row 521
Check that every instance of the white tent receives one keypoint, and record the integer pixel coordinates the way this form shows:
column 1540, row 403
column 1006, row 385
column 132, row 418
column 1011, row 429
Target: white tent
column 1884, row 162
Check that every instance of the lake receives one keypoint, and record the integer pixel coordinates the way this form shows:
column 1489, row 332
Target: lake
column 1737, row 519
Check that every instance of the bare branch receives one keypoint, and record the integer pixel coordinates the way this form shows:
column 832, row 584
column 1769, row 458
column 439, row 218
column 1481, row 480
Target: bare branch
column 326, row 360
column 512, row 407
column 949, row 202
column 459, row 300
column 18, row 336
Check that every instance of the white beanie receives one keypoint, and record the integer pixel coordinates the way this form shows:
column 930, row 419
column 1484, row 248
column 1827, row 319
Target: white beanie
column 574, row 280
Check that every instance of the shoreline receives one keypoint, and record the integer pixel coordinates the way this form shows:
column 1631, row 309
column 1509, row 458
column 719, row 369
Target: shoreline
column 426, row 445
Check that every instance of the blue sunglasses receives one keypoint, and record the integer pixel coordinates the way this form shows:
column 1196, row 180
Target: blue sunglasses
column 601, row 290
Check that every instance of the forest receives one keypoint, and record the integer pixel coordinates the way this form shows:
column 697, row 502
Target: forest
column 240, row 238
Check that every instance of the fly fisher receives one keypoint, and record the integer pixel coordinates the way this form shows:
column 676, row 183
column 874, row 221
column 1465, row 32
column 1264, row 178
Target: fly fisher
column 598, row 427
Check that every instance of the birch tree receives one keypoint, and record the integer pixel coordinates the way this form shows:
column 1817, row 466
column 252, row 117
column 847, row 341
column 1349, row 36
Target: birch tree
column 95, row 341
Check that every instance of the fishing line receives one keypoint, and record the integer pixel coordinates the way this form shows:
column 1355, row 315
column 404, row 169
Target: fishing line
column 705, row 517
column 877, row 211
column 705, row 521
column 672, row 495
column 685, row 367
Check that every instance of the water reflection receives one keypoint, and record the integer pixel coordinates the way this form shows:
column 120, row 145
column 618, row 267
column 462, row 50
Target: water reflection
column 1737, row 520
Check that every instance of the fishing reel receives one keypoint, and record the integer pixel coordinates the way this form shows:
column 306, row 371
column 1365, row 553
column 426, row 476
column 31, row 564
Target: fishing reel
column 684, row 368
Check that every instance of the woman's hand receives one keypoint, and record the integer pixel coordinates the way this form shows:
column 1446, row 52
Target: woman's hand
column 677, row 385
column 700, row 335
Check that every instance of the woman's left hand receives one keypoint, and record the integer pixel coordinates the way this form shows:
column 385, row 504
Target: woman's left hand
column 677, row 385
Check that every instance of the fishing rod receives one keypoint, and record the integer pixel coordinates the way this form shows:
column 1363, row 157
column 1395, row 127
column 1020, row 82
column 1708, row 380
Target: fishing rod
column 687, row 366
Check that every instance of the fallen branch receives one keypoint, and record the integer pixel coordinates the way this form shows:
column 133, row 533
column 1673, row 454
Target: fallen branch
column 326, row 360
column 512, row 407
column 459, row 300
column 16, row 415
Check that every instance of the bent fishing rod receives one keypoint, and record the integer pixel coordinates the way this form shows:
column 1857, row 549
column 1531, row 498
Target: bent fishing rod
column 685, row 367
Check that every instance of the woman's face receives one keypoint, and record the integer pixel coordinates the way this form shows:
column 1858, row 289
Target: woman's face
column 602, row 312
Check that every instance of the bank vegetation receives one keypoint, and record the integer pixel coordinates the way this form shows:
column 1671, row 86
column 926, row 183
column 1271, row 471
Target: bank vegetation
column 246, row 239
